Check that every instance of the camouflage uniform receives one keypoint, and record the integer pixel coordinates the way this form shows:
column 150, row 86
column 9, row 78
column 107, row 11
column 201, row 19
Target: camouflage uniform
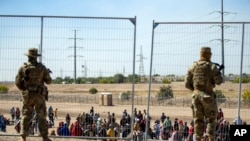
column 30, row 81
column 204, row 103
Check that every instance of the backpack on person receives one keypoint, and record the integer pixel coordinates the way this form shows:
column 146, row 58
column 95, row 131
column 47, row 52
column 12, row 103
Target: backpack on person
column 33, row 74
column 201, row 74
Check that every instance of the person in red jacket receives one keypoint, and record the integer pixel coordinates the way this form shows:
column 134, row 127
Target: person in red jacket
column 220, row 115
column 77, row 129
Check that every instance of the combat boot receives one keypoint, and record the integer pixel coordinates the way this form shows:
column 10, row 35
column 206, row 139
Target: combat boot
column 46, row 139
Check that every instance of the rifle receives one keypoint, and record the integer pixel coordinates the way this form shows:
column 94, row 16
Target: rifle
column 221, row 67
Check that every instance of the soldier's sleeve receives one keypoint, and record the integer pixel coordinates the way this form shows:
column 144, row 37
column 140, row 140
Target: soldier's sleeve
column 46, row 77
column 19, row 80
column 218, row 79
column 189, row 79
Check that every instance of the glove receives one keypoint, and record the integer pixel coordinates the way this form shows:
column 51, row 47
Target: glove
column 221, row 67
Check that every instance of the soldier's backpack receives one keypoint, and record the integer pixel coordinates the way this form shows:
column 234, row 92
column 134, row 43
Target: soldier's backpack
column 33, row 74
column 201, row 74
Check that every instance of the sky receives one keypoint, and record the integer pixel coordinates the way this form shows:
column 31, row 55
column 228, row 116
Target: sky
column 145, row 11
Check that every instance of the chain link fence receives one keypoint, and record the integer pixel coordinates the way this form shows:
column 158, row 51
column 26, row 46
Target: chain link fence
column 138, row 100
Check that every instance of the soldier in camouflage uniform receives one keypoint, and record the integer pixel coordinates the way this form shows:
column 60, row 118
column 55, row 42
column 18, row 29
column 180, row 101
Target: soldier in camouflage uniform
column 30, row 81
column 201, row 78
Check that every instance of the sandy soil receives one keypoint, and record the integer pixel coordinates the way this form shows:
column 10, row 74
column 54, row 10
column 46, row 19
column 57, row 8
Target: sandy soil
column 229, row 89
column 184, row 113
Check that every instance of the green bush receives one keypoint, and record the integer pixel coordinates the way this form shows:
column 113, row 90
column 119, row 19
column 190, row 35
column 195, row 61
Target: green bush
column 165, row 92
column 125, row 95
column 166, row 81
column 220, row 96
column 103, row 81
column 246, row 97
column 244, row 80
column 93, row 90
column 4, row 89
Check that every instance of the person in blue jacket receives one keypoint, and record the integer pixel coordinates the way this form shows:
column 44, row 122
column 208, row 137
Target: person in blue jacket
column 64, row 131
column 2, row 124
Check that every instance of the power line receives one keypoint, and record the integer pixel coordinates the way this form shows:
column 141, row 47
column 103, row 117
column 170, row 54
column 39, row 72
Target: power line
column 222, row 13
column 75, row 54
column 141, row 66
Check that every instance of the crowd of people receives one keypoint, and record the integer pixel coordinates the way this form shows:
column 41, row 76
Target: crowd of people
column 91, row 124
column 15, row 114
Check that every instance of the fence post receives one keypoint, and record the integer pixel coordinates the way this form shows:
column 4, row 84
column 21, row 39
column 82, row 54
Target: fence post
column 182, row 102
column 225, row 102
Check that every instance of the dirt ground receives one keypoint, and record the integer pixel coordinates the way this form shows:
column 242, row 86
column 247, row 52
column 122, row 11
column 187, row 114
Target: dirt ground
column 229, row 89
column 184, row 113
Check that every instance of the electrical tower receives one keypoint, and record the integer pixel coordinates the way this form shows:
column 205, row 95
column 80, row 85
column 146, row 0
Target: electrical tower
column 123, row 71
column 85, row 68
column 75, row 55
column 222, row 13
column 141, row 66
column 237, row 119
column 100, row 73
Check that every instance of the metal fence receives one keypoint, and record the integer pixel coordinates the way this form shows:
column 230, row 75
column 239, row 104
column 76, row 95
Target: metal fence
column 176, row 45
column 74, row 47
column 70, row 46
column 138, row 100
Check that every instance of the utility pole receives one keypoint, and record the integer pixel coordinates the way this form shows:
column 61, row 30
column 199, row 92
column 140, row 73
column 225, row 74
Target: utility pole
column 123, row 70
column 100, row 73
column 61, row 73
column 141, row 66
column 237, row 119
column 222, row 12
column 75, row 55
column 222, row 39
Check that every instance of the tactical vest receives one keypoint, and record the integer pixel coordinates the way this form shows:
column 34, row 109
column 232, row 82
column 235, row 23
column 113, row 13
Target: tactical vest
column 202, row 75
column 33, row 75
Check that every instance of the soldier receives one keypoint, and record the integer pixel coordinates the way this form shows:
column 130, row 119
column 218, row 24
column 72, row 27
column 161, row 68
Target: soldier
column 201, row 78
column 30, row 81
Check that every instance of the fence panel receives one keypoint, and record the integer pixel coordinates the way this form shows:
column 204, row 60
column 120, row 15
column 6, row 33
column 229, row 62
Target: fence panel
column 77, row 49
column 176, row 45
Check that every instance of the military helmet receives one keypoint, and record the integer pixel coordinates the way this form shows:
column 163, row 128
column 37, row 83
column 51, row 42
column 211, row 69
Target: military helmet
column 32, row 52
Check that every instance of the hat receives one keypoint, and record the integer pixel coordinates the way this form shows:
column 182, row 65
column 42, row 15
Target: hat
column 32, row 52
column 205, row 50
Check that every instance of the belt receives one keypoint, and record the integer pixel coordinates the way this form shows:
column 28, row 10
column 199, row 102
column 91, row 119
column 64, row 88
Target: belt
column 205, row 91
column 35, row 88
column 32, row 88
